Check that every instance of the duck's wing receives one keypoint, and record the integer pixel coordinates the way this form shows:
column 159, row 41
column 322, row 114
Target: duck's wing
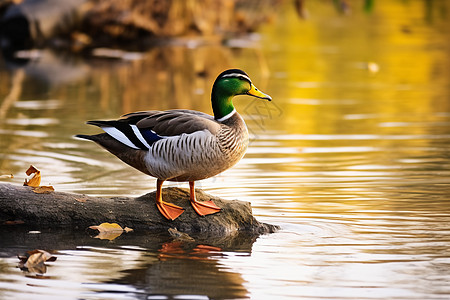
column 178, row 121
column 141, row 129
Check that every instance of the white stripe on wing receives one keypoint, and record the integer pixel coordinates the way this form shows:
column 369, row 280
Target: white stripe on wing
column 139, row 136
column 119, row 135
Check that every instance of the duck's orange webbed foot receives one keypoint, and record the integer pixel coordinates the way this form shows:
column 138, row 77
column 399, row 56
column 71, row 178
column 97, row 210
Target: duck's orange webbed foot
column 202, row 208
column 168, row 210
column 205, row 208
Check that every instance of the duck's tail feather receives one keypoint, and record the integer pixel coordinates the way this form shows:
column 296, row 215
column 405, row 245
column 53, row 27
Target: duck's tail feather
column 133, row 157
column 128, row 133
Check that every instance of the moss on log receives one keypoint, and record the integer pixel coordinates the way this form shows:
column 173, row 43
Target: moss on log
column 66, row 210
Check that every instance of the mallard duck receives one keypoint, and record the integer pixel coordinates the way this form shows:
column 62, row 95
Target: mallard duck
column 183, row 145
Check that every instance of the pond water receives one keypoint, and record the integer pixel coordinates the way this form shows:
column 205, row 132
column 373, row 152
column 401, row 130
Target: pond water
column 351, row 159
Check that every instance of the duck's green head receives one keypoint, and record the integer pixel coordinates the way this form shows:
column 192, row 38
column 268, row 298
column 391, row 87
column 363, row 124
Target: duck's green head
column 228, row 84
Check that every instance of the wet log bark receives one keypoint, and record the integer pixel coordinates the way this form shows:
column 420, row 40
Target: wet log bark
column 19, row 204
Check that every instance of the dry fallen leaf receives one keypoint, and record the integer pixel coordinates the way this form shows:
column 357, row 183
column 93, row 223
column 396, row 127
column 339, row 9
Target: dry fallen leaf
column 43, row 189
column 34, row 263
column 35, row 180
column 109, row 231
column 37, row 256
column 31, row 170
column 107, row 227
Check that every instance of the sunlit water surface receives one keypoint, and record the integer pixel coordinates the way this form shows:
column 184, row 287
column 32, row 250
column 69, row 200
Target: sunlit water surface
column 351, row 159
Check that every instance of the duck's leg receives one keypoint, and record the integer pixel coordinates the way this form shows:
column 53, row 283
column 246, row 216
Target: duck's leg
column 168, row 210
column 202, row 208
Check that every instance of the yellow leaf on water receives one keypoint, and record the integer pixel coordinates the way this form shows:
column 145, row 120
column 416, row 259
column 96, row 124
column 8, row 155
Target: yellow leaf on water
column 107, row 227
column 35, row 180
column 109, row 231
column 106, row 235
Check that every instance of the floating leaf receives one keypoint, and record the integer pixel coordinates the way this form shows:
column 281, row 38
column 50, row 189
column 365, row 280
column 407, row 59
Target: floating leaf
column 108, row 235
column 107, row 227
column 35, row 180
column 43, row 189
column 36, row 257
column 35, row 260
column 109, row 231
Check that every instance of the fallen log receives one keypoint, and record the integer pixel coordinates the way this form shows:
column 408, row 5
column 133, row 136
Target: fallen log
column 19, row 204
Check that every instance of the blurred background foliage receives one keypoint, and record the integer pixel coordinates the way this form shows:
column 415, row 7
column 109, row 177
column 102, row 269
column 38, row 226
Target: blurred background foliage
column 78, row 24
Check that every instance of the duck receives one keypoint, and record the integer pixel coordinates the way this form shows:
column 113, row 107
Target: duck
column 183, row 145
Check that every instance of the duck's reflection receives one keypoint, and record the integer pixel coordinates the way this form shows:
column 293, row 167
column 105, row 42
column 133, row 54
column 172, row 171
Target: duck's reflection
column 192, row 268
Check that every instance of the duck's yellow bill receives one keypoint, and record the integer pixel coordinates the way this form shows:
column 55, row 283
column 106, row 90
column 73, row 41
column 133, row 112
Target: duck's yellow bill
column 257, row 93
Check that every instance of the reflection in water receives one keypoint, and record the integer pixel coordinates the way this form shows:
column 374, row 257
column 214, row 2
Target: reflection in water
column 154, row 265
column 352, row 163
